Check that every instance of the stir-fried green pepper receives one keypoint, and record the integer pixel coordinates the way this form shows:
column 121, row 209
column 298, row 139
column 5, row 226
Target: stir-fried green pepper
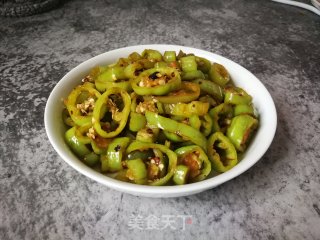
column 81, row 112
column 221, row 152
column 240, row 130
column 187, row 109
column 172, row 157
column 187, row 93
column 118, row 116
column 236, row 95
column 221, row 117
column 211, row 88
column 196, row 160
column 183, row 130
column 156, row 81
column 114, row 156
column 219, row 74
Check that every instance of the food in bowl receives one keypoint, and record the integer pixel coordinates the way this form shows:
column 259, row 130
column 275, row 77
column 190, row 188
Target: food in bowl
column 159, row 119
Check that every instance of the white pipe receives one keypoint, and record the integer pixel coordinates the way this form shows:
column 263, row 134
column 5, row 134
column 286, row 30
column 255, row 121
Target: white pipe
column 299, row 4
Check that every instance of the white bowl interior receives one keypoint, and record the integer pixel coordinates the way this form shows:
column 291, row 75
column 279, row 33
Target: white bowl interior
column 261, row 98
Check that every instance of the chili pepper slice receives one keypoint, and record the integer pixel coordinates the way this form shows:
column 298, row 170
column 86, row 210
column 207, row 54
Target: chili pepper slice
column 172, row 158
column 187, row 109
column 180, row 176
column 187, row 76
column 221, row 152
column 211, row 88
column 188, row 64
column 243, row 109
column 185, row 131
column 119, row 117
column 80, row 149
column 221, row 117
column 137, row 121
column 206, row 125
column 80, row 113
column 137, row 171
column 219, row 74
column 203, row 64
column 240, row 130
column 152, row 55
column 114, row 154
column 147, row 134
column 103, row 86
column 186, row 93
column 156, row 81
column 111, row 74
column 236, row 95
column 196, row 159
column 169, row 56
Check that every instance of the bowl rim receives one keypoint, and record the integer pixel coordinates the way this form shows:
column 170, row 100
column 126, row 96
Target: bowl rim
column 176, row 190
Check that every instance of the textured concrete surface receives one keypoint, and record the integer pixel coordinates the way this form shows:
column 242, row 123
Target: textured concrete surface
column 41, row 197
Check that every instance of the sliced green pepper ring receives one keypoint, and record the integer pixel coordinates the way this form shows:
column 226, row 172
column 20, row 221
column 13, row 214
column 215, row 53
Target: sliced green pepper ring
column 156, row 81
column 187, row 109
column 186, row 93
column 141, row 146
column 219, row 74
column 236, row 95
column 240, row 130
column 221, row 117
column 221, row 152
column 120, row 117
column 196, row 159
column 80, row 112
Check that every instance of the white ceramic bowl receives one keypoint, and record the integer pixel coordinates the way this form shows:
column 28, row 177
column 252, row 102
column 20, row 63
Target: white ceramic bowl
column 261, row 98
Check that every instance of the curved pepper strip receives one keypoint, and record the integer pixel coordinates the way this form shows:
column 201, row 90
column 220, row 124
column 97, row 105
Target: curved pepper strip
column 240, row 130
column 149, row 76
column 185, row 131
column 187, row 109
column 219, row 74
column 206, row 125
column 121, row 116
column 80, row 149
column 198, row 161
column 204, row 64
column 137, row 121
column 137, row 171
column 111, row 74
column 141, row 146
column 66, row 118
column 103, row 86
column 71, row 103
column 152, row 55
column 187, row 76
column 113, row 160
column 240, row 109
column 221, row 117
column 236, row 95
column 181, row 174
column 221, row 152
column 188, row 92
column 211, row 88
